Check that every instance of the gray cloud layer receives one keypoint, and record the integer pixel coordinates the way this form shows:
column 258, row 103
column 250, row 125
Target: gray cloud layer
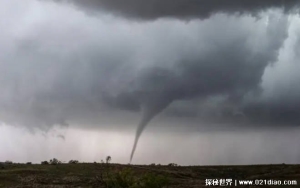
column 60, row 66
column 184, row 9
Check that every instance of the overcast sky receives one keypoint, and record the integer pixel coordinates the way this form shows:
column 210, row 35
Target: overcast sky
column 87, row 77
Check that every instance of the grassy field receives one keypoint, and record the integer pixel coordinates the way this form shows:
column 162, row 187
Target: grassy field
column 97, row 174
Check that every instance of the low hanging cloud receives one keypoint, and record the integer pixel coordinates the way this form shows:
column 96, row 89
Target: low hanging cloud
column 182, row 9
column 61, row 66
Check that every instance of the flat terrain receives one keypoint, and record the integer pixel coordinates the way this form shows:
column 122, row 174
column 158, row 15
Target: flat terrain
column 87, row 174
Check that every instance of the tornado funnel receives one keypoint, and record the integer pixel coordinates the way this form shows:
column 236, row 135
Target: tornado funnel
column 149, row 110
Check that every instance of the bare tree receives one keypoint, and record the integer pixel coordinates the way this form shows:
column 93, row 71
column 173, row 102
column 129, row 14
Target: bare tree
column 108, row 159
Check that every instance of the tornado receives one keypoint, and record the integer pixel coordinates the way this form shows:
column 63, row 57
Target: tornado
column 141, row 126
column 149, row 110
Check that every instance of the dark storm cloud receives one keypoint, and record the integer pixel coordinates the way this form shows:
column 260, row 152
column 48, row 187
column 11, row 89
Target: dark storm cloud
column 183, row 9
column 60, row 66
column 111, row 68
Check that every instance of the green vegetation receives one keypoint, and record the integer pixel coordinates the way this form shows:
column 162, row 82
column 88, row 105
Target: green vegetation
column 73, row 162
column 44, row 162
column 109, row 175
column 125, row 178
column 54, row 161
column 172, row 164
column 8, row 162
column 108, row 159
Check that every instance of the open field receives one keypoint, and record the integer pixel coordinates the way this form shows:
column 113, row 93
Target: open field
column 89, row 174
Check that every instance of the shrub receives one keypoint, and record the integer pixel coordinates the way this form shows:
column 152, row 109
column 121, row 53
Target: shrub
column 8, row 162
column 73, row 162
column 172, row 164
column 153, row 181
column 28, row 163
column 44, row 162
column 121, row 179
column 126, row 179
column 108, row 159
column 54, row 161
column 152, row 164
